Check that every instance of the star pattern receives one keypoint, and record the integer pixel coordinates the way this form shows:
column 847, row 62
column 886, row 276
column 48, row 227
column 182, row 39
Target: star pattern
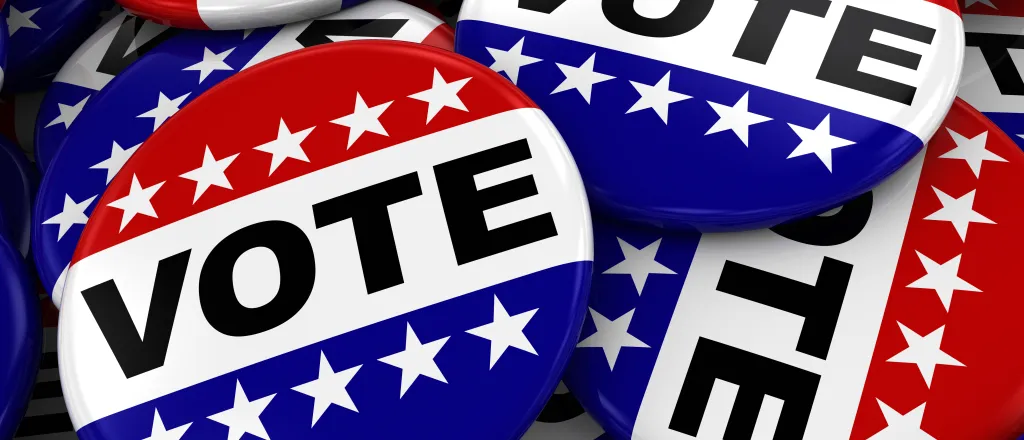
column 657, row 97
column 18, row 20
column 510, row 61
column 581, row 79
column 138, row 201
column 116, row 161
column 72, row 214
column 819, row 141
column 984, row 2
column 244, row 416
column 902, row 426
column 416, row 360
column 441, row 94
column 210, row 173
column 363, row 119
column 943, row 278
column 329, row 388
column 924, row 352
column 211, row 62
column 639, row 263
column 68, row 113
column 159, row 432
column 736, row 118
column 505, row 331
column 165, row 108
column 287, row 145
column 972, row 151
column 959, row 212
column 612, row 336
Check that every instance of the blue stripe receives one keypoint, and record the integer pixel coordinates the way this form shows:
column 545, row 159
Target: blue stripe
column 1011, row 123
column 635, row 166
column 613, row 397
column 476, row 403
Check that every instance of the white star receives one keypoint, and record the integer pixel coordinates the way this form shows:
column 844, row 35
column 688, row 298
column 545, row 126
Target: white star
column 442, row 94
column 818, row 141
column 363, row 119
column 287, row 145
column 73, row 213
column 736, row 118
column 117, row 159
column 17, row 20
column 612, row 336
column 136, row 202
column 211, row 172
column 984, row 2
column 329, row 388
column 943, row 278
column 68, row 113
column 582, row 78
column 505, row 331
column 165, row 108
column 656, row 97
column 925, row 352
column 971, row 151
column 416, row 360
column 902, row 426
column 160, row 433
column 638, row 264
column 211, row 62
column 244, row 416
column 960, row 212
column 511, row 61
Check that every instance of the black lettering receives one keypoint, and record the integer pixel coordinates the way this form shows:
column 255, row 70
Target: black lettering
column 819, row 304
column 320, row 31
column 832, row 230
column 545, row 6
column 368, row 209
column 995, row 49
column 464, row 205
column 118, row 57
column 138, row 355
column 766, row 23
column 297, row 267
column 757, row 377
column 852, row 42
column 687, row 15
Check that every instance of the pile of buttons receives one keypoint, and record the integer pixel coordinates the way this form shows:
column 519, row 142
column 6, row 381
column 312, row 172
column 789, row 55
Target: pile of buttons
column 511, row 219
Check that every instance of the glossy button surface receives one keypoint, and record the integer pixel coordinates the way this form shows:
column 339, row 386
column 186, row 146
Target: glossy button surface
column 729, row 114
column 889, row 318
column 399, row 248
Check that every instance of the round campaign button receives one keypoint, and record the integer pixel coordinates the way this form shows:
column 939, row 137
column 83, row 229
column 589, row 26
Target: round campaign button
column 563, row 418
column 43, row 33
column 728, row 114
column 396, row 249
column 18, row 183
column 992, row 81
column 888, row 318
column 114, row 46
column 233, row 14
column 108, row 130
column 20, row 338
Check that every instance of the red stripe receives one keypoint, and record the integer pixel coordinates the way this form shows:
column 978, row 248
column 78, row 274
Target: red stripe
column 948, row 4
column 177, row 13
column 985, row 399
column 307, row 88
column 1009, row 8
column 442, row 37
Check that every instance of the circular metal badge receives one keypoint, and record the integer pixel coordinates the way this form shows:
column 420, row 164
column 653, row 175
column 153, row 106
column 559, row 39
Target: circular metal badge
column 406, row 239
column 729, row 114
column 888, row 318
